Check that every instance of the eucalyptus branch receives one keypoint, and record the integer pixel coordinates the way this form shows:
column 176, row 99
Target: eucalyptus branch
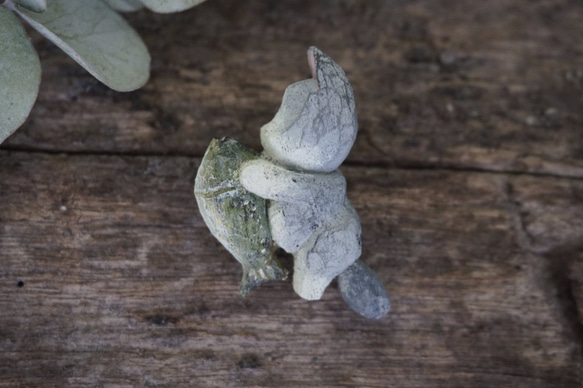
column 89, row 31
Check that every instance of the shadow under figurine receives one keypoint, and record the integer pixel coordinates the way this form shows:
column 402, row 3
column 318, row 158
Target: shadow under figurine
column 292, row 195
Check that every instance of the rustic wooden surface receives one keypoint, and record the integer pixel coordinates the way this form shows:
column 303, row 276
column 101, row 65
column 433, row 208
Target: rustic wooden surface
column 467, row 175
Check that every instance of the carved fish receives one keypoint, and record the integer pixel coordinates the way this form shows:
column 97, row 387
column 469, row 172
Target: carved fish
column 236, row 217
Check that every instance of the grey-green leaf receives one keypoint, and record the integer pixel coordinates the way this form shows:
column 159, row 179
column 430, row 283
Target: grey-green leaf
column 167, row 6
column 33, row 5
column 97, row 38
column 125, row 5
column 19, row 74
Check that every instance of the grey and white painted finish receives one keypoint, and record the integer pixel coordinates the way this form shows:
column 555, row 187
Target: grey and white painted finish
column 297, row 174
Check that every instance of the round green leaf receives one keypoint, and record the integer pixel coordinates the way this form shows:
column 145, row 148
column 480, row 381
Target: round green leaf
column 167, row 6
column 19, row 74
column 33, row 5
column 97, row 38
column 125, row 5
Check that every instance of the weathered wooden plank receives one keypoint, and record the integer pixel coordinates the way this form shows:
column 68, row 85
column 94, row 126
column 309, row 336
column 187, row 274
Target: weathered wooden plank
column 109, row 277
column 494, row 86
column 576, row 278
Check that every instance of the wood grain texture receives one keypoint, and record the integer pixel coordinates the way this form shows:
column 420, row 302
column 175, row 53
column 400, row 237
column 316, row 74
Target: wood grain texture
column 121, row 283
column 467, row 175
column 494, row 86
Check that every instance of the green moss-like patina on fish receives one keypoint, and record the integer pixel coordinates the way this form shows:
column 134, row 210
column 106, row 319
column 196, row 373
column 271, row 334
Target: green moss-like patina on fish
column 236, row 217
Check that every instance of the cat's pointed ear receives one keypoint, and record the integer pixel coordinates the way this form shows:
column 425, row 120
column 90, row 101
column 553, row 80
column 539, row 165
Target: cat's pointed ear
column 316, row 124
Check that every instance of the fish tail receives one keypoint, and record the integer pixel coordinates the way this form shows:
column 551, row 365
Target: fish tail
column 269, row 271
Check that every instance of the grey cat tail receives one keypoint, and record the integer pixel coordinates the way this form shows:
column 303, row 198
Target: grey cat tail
column 363, row 291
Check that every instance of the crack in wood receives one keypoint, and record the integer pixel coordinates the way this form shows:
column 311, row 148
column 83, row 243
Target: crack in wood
column 392, row 165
